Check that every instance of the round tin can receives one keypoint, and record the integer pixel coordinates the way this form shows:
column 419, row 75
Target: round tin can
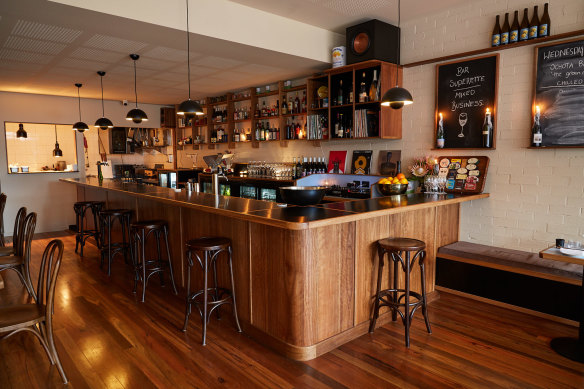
column 339, row 56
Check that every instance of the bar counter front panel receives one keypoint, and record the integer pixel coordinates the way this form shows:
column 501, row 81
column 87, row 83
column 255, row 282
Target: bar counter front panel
column 305, row 276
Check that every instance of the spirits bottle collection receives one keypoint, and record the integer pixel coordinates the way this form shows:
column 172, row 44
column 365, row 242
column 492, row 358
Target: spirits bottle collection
column 527, row 29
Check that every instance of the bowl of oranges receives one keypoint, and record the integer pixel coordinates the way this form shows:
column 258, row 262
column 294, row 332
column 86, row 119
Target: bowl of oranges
column 393, row 185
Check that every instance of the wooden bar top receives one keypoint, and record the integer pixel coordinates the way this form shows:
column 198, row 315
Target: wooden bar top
column 270, row 213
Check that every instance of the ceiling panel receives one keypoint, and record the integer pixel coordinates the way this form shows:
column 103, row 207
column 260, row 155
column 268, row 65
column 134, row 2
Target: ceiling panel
column 217, row 62
column 24, row 56
column 104, row 56
column 113, row 43
column 169, row 54
column 33, row 45
column 45, row 31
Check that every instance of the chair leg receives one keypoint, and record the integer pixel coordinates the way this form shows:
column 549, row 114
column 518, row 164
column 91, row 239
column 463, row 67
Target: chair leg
column 233, row 290
column 395, row 286
column 28, row 281
column 51, row 344
column 109, row 246
column 159, row 260
column 143, row 247
column 215, row 284
column 169, row 261
column 188, row 302
column 123, row 220
column 380, row 254
column 407, row 299
column 135, row 257
column 205, row 296
column 424, row 301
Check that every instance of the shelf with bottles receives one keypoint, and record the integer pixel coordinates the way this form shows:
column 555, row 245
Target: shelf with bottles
column 243, row 95
column 342, row 106
column 289, row 115
column 341, row 90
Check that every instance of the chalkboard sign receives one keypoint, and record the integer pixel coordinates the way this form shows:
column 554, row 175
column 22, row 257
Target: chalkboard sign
column 464, row 91
column 559, row 93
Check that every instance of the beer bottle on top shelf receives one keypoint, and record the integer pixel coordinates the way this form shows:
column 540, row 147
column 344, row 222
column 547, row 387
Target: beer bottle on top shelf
column 487, row 130
column 537, row 136
column 496, row 36
column 340, row 94
column 544, row 23
column 505, row 30
column 373, row 87
column 514, row 32
column 534, row 24
column 524, row 28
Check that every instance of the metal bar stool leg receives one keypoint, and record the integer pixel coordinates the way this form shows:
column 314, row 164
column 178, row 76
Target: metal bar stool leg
column 407, row 298
column 169, row 261
column 233, row 290
column 188, row 305
column 143, row 250
column 380, row 254
column 216, row 285
column 395, row 285
column 424, row 301
column 205, row 296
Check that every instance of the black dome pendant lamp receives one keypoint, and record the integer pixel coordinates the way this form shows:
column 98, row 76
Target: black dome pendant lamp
column 57, row 152
column 103, row 122
column 397, row 97
column 136, row 115
column 189, row 107
column 21, row 133
column 79, row 126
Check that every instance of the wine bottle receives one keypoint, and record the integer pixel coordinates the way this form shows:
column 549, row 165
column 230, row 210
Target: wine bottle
column 496, row 36
column 514, row 32
column 534, row 24
column 440, row 133
column 373, row 87
column 363, row 90
column 544, row 23
column 340, row 94
column 537, row 136
column 303, row 102
column 524, row 28
column 487, row 130
column 296, row 104
column 505, row 30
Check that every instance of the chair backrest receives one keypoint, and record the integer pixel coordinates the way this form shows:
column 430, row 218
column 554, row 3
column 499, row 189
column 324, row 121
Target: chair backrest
column 25, row 239
column 18, row 226
column 48, row 272
column 2, row 206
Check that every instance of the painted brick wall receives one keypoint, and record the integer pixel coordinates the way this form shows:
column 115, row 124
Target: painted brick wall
column 536, row 195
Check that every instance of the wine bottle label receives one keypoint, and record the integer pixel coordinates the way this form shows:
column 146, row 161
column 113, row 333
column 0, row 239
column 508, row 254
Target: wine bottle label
column 440, row 143
column 513, row 36
column 532, row 32
column 537, row 138
column 524, row 34
column 543, row 30
column 504, row 38
column 496, row 41
column 485, row 132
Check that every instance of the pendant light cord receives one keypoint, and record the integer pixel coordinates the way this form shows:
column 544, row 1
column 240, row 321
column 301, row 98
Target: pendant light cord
column 135, row 85
column 188, row 51
column 398, row 41
column 56, row 140
column 102, row 106
column 79, row 101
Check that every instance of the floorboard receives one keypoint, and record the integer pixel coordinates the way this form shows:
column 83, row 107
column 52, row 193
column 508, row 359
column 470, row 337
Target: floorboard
column 106, row 338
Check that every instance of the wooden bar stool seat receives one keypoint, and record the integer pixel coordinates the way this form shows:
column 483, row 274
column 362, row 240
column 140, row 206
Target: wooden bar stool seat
column 209, row 299
column 83, row 233
column 399, row 250
column 144, row 268
column 107, row 218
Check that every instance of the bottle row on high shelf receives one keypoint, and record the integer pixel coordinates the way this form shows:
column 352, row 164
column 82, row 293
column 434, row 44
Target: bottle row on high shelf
column 219, row 114
column 308, row 166
column 368, row 91
column 241, row 113
column 219, row 135
column 516, row 32
column 294, row 105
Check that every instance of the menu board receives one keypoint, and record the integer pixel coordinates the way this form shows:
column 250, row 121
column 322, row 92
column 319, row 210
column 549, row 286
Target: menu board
column 464, row 91
column 559, row 93
column 464, row 174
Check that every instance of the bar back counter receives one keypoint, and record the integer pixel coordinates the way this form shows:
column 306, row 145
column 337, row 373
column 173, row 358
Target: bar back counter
column 304, row 276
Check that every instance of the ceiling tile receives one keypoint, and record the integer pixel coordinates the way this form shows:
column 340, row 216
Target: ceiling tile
column 95, row 54
column 82, row 64
column 355, row 7
column 19, row 66
column 169, row 54
column 34, row 45
column 45, row 32
column 217, row 62
column 23, row 56
column 116, row 44
column 257, row 69
column 154, row 64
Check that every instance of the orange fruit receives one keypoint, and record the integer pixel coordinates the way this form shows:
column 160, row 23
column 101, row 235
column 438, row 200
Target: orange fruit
column 400, row 176
column 403, row 181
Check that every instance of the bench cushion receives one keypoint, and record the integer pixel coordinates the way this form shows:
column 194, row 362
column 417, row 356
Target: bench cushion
column 511, row 258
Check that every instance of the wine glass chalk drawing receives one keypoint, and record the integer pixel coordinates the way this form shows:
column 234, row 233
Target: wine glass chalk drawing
column 462, row 119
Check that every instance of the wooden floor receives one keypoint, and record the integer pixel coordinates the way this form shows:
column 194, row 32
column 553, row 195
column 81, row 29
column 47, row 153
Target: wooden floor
column 107, row 339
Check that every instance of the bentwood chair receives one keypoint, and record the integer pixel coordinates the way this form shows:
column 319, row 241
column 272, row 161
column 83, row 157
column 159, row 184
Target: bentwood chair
column 20, row 261
column 2, row 206
column 37, row 318
column 18, row 225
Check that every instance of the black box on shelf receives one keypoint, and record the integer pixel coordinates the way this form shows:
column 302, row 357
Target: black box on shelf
column 372, row 40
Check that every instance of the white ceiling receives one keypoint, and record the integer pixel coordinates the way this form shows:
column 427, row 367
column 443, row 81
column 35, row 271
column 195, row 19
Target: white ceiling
column 46, row 47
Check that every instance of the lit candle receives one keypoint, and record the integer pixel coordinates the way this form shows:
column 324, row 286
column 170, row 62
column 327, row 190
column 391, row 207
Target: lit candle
column 488, row 111
column 441, row 122
column 537, row 113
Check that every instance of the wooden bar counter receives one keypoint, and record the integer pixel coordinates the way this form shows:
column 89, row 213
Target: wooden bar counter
column 305, row 276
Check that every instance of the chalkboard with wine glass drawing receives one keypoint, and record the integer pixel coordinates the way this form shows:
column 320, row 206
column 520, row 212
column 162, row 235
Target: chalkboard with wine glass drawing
column 559, row 94
column 466, row 103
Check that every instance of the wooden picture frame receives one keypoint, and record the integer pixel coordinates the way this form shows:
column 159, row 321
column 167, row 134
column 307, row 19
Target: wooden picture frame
column 476, row 103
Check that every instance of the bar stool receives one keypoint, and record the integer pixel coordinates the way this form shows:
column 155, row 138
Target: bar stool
column 392, row 297
column 145, row 268
column 81, row 208
column 210, row 248
column 107, row 217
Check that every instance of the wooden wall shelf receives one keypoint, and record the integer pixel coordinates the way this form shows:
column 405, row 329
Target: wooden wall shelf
column 472, row 53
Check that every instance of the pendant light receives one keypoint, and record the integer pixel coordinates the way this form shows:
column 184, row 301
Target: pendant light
column 136, row 115
column 57, row 152
column 21, row 133
column 79, row 126
column 189, row 107
column 103, row 122
column 397, row 97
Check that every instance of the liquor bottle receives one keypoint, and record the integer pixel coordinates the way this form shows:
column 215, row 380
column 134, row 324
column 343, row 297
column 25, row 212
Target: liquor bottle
column 257, row 132
column 264, row 112
column 363, row 90
column 257, row 111
column 373, row 87
column 505, row 30
column 236, row 136
column 534, row 24
column 337, row 125
column 524, row 28
column 514, row 32
column 284, row 106
column 296, row 104
column 537, row 136
column 278, row 133
column 277, row 110
column 298, row 169
column 341, row 133
column 487, row 130
column 440, row 133
column 340, row 94
column 351, row 96
column 303, row 102
column 496, row 36
column 304, row 167
column 297, row 131
column 544, row 23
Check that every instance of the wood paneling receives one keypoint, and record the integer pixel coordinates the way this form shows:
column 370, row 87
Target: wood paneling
column 447, row 222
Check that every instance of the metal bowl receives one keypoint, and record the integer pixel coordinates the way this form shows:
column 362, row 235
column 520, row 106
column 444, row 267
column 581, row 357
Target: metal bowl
column 302, row 195
column 392, row 189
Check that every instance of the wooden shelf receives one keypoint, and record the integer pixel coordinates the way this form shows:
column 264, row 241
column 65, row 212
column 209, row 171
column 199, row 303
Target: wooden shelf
column 242, row 120
column 266, row 94
column 498, row 48
column 318, row 109
column 220, row 123
column 294, row 114
column 342, row 106
column 294, row 88
column 365, row 137
column 368, row 103
column 240, row 99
